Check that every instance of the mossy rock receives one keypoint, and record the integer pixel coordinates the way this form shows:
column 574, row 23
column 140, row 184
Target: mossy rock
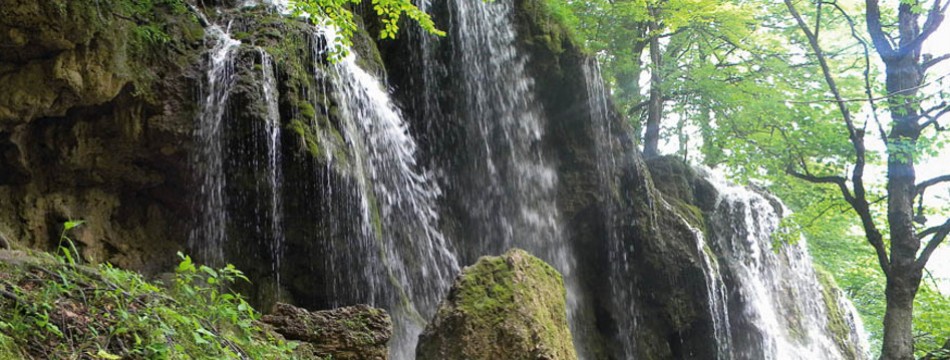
column 506, row 307
column 837, row 324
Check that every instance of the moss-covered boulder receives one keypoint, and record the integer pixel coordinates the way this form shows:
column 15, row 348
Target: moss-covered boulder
column 356, row 332
column 506, row 307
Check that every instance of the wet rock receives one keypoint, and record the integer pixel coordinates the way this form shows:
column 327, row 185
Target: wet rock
column 356, row 332
column 95, row 124
column 506, row 307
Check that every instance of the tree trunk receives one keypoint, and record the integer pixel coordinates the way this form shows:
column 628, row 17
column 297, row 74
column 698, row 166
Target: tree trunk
column 903, row 77
column 651, row 142
column 898, row 318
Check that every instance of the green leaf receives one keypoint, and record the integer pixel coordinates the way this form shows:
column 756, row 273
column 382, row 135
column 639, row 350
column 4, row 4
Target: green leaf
column 69, row 225
column 105, row 355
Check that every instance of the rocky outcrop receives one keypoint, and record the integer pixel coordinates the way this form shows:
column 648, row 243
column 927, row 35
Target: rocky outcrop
column 506, row 307
column 349, row 333
column 95, row 122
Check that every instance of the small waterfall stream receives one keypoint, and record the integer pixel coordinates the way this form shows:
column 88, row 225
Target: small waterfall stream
column 623, row 296
column 208, row 236
column 507, row 183
column 275, row 176
column 717, row 295
column 777, row 311
column 400, row 223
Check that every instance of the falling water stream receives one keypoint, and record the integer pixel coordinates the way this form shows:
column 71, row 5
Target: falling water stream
column 208, row 237
column 507, row 184
column 777, row 311
column 399, row 218
column 275, row 176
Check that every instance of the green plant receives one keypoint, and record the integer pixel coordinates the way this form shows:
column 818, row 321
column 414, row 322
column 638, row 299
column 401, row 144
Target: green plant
column 54, row 308
column 66, row 245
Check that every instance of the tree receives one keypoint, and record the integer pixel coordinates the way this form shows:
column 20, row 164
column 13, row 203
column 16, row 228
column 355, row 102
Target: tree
column 674, row 34
column 903, row 255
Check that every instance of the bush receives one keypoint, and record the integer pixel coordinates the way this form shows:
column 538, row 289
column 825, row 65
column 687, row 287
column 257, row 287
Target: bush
column 53, row 308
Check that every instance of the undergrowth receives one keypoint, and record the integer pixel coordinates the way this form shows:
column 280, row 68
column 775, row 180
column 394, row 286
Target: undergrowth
column 52, row 307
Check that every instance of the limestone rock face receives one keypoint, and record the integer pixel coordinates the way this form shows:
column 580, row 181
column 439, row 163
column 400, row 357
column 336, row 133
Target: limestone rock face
column 356, row 332
column 506, row 307
column 95, row 124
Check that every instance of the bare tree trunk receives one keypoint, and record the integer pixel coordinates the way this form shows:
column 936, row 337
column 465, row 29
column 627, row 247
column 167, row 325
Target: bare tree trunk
column 651, row 142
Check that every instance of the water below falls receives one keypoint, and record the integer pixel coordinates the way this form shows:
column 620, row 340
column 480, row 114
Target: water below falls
column 412, row 184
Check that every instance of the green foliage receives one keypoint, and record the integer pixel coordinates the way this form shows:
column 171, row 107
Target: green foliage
column 696, row 35
column 57, row 309
column 931, row 319
column 337, row 13
column 742, row 76
column 66, row 247
column 149, row 31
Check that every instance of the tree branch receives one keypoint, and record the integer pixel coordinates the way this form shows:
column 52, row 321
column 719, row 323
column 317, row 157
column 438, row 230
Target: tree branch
column 878, row 36
column 836, row 180
column 934, row 18
column 923, row 185
column 939, row 235
column 934, row 61
column 859, row 199
column 933, row 119
column 867, row 71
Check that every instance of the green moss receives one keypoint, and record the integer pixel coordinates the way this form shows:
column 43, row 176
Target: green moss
column 9, row 348
column 691, row 213
column 511, row 306
column 837, row 324
column 550, row 21
column 487, row 291
column 306, row 110
column 367, row 54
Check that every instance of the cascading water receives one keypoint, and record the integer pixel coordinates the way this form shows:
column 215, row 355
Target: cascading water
column 397, row 255
column 414, row 266
column 776, row 309
column 208, row 237
column 275, row 176
column 717, row 296
column 506, row 183
column 383, row 243
column 622, row 295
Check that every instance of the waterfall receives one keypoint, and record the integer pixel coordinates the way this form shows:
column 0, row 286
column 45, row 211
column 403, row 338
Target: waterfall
column 208, row 236
column 275, row 176
column 505, row 184
column 717, row 295
column 775, row 297
column 623, row 296
column 397, row 204
column 394, row 222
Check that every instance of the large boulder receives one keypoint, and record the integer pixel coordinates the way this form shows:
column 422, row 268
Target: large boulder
column 506, row 307
column 356, row 332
